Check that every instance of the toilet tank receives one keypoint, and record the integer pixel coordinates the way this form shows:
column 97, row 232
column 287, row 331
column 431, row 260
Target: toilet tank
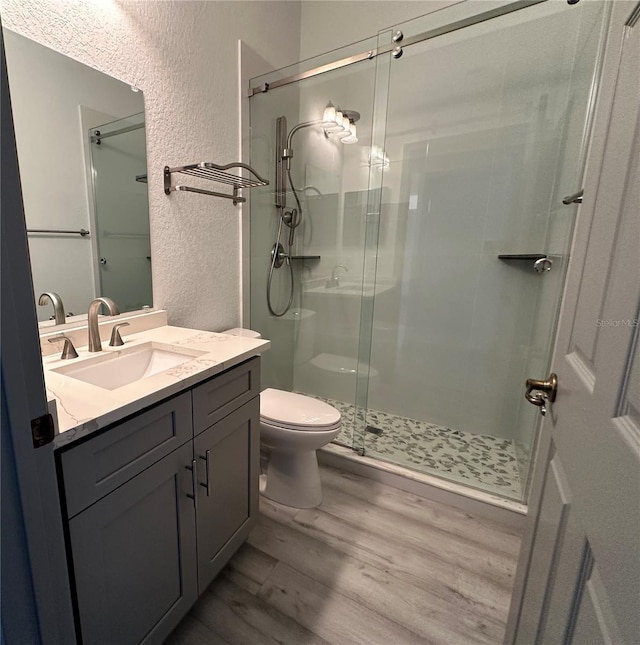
column 245, row 333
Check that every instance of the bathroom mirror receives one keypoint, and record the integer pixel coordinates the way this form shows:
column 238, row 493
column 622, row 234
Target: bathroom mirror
column 82, row 155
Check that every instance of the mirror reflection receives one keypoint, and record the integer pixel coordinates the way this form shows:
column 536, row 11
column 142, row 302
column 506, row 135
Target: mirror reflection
column 82, row 155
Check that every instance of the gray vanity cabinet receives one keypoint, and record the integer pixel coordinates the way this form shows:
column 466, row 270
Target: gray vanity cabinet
column 157, row 504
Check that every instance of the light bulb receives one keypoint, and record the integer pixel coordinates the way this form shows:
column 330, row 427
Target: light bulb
column 336, row 126
column 352, row 138
column 346, row 132
column 329, row 116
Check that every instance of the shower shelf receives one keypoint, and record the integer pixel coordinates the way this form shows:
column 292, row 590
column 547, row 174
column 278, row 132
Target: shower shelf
column 216, row 173
column 522, row 256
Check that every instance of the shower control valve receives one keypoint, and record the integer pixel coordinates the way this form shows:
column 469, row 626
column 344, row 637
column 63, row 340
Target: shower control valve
column 278, row 255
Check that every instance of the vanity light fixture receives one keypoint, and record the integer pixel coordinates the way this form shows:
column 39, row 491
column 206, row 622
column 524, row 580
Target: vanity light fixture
column 339, row 123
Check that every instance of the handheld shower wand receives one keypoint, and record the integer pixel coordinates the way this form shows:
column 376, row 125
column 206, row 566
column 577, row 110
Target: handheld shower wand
column 342, row 124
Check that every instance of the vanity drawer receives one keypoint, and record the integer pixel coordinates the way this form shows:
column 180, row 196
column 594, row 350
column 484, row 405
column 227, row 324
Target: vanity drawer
column 98, row 466
column 222, row 394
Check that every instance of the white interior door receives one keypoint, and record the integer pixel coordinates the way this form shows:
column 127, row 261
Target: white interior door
column 579, row 573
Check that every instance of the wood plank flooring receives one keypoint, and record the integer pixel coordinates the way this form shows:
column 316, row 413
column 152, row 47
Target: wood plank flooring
column 372, row 565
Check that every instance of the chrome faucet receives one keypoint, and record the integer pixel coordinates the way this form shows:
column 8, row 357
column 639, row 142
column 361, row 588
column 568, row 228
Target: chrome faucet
column 333, row 280
column 92, row 321
column 56, row 301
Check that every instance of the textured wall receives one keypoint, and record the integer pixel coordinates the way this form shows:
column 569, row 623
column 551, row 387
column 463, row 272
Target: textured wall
column 183, row 55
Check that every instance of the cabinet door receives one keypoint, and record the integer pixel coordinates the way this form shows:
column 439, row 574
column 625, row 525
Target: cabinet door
column 134, row 556
column 228, row 507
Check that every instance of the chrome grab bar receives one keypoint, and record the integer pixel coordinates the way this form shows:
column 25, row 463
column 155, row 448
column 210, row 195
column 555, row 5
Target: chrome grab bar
column 82, row 232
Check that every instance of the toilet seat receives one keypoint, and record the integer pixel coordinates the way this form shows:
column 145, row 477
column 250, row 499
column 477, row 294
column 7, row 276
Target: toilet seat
column 290, row 426
column 290, row 411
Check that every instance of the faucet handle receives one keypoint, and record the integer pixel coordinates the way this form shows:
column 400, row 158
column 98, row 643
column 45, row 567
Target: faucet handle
column 116, row 339
column 68, row 351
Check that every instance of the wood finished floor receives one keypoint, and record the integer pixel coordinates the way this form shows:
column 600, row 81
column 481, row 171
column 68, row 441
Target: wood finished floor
column 372, row 565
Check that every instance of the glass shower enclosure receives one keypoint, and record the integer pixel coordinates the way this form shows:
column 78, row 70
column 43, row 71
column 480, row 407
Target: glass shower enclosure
column 426, row 270
column 121, row 206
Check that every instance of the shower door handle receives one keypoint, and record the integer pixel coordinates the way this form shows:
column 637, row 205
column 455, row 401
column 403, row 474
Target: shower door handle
column 545, row 390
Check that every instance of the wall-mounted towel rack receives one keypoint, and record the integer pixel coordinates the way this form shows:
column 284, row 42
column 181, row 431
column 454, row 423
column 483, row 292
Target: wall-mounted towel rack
column 219, row 174
column 82, row 232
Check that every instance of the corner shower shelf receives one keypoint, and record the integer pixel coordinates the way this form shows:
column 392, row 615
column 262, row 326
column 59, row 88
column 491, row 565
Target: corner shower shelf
column 522, row 256
column 216, row 173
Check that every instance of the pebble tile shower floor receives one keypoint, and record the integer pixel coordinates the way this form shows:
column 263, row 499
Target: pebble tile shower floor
column 481, row 461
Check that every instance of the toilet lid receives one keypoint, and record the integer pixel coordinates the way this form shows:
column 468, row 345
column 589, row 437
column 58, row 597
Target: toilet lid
column 296, row 411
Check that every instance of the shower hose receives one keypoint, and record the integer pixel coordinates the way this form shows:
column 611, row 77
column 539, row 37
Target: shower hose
column 292, row 219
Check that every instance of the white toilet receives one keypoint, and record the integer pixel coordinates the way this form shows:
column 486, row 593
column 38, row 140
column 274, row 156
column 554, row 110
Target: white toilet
column 292, row 428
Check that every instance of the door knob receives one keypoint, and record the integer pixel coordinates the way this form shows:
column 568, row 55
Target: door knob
column 539, row 392
column 542, row 265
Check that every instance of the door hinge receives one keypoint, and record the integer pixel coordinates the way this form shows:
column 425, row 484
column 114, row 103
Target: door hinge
column 42, row 430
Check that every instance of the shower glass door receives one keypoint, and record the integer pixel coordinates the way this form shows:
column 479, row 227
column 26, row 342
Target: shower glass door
column 119, row 159
column 314, row 341
column 483, row 134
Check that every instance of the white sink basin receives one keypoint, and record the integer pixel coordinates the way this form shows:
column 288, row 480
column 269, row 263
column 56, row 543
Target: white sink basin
column 113, row 369
column 351, row 288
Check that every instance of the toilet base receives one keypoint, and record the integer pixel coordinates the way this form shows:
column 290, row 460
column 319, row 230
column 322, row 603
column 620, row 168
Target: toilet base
column 293, row 478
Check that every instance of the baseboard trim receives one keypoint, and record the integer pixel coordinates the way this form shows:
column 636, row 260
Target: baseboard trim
column 480, row 503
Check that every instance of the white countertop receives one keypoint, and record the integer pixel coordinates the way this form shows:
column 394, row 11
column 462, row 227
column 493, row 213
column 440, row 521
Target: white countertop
column 83, row 408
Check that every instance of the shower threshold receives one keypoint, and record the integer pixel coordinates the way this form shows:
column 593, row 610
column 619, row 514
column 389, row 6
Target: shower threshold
column 471, row 500
column 479, row 461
